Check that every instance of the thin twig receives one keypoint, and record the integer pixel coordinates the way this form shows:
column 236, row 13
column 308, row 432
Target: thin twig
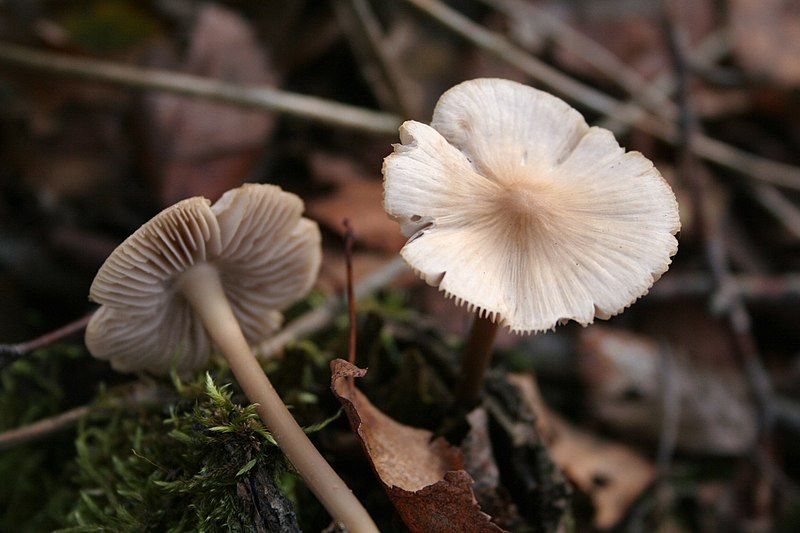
column 127, row 395
column 777, row 288
column 10, row 352
column 713, row 150
column 780, row 207
column 716, row 253
column 660, row 90
column 592, row 52
column 260, row 97
column 349, row 239
column 368, row 42
column 42, row 428
column 671, row 403
column 320, row 317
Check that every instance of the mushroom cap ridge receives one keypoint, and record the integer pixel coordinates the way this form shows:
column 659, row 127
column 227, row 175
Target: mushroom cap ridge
column 268, row 257
column 520, row 210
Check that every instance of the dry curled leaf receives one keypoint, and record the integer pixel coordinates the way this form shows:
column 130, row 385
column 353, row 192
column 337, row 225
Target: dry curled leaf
column 202, row 148
column 356, row 197
column 424, row 478
column 611, row 474
column 624, row 378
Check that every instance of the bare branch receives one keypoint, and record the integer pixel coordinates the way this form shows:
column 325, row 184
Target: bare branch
column 349, row 240
column 260, row 97
column 10, row 352
column 320, row 317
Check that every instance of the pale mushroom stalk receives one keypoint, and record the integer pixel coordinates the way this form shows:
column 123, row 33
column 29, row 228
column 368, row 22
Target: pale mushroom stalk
column 475, row 361
column 202, row 287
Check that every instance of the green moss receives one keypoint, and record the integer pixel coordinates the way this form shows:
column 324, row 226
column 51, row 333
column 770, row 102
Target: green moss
column 195, row 455
column 36, row 491
column 147, row 470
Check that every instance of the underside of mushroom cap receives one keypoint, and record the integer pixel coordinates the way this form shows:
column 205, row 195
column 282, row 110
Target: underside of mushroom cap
column 517, row 208
column 267, row 256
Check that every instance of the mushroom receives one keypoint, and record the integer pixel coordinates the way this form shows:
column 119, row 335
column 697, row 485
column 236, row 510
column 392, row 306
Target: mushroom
column 518, row 209
column 198, row 275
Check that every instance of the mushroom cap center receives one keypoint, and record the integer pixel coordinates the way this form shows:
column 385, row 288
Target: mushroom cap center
column 526, row 203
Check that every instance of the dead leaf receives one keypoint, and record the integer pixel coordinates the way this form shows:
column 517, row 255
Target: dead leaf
column 357, row 197
column 611, row 474
column 767, row 38
column 424, row 478
column 623, row 374
column 205, row 148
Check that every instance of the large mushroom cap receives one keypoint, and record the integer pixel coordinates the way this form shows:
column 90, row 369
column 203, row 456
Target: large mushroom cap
column 267, row 256
column 516, row 207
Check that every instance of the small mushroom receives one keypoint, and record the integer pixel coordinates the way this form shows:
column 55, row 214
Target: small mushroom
column 198, row 275
column 517, row 208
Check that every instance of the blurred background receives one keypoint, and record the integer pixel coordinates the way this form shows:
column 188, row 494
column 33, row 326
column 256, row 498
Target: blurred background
column 684, row 410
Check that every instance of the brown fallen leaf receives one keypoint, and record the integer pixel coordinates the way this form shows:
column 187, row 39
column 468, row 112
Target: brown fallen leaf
column 357, row 197
column 612, row 475
column 205, row 148
column 623, row 372
column 424, row 478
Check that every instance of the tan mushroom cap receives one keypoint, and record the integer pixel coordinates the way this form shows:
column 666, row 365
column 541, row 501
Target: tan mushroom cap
column 267, row 255
column 517, row 208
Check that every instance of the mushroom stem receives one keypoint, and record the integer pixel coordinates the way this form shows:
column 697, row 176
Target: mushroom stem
column 475, row 360
column 202, row 287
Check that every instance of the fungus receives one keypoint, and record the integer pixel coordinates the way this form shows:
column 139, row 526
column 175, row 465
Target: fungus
column 518, row 209
column 198, row 275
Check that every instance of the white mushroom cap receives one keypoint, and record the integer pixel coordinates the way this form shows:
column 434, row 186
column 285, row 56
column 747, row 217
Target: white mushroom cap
column 517, row 208
column 267, row 256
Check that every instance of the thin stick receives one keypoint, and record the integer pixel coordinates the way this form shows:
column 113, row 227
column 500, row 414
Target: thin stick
column 592, row 52
column 126, row 395
column 711, row 149
column 42, row 428
column 349, row 239
column 10, row 352
column 779, row 207
column 368, row 42
column 671, row 403
column 475, row 361
column 777, row 288
column 659, row 91
column 260, row 97
column 717, row 257
column 320, row 317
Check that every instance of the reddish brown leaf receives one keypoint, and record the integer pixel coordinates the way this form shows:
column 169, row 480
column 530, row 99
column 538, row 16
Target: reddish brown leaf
column 611, row 474
column 424, row 478
column 205, row 148
column 356, row 197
